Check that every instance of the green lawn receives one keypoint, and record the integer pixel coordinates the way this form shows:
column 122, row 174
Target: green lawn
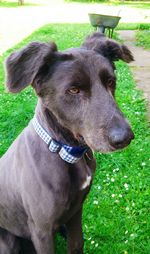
column 8, row 4
column 116, row 211
column 143, row 38
column 133, row 26
column 134, row 4
column 14, row 4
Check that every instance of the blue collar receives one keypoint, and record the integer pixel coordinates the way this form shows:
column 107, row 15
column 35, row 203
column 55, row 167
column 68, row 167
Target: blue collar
column 67, row 153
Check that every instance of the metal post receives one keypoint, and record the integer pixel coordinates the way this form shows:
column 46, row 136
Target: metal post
column 101, row 29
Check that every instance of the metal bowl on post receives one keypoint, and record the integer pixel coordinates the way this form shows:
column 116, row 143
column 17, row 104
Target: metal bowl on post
column 102, row 22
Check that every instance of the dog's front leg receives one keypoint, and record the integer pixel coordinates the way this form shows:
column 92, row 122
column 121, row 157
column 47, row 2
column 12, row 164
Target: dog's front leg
column 75, row 239
column 43, row 240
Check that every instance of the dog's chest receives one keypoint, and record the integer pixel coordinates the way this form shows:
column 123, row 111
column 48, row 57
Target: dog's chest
column 80, row 182
column 86, row 182
column 80, row 176
column 74, row 203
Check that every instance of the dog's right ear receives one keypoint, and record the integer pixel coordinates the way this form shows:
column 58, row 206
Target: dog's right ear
column 108, row 48
column 23, row 65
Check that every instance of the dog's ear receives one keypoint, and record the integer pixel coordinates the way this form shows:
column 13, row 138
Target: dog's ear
column 23, row 65
column 108, row 48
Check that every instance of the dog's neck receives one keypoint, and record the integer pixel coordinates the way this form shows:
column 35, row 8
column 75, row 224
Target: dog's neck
column 50, row 123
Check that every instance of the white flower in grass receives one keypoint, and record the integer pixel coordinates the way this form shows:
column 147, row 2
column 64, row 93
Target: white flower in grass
column 112, row 180
column 116, row 201
column 95, row 202
column 126, row 241
column 113, row 195
column 120, row 196
column 126, row 186
column 125, row 176
column 132, row 235
column 137, row 113
column 126, row 232
column 96, row 245
column 115, row 170
column 143, row 164
column 92, row 242
column 99, row 187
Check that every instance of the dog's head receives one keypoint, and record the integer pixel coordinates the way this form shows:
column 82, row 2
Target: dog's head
column 77, row 86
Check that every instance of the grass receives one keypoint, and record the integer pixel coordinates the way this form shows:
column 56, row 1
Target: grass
column 87, row 1
column 134, row 4
column 14, row 4
column 142, row 34
column 115, row 217
column 8, row 4
column 143, row 39
column 133, row 26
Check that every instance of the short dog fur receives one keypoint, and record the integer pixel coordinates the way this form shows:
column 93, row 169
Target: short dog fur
column 76, row 104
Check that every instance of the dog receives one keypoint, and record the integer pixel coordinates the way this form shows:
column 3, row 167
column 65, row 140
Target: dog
column 47, row 172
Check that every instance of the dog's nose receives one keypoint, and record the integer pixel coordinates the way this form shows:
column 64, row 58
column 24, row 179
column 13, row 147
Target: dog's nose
column 120, row 137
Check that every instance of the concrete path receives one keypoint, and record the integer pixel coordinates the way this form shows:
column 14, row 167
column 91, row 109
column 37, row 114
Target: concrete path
column 141, row 66
column 17, row 23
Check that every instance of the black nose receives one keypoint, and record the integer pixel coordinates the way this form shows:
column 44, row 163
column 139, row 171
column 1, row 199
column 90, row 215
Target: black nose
column 120, row 137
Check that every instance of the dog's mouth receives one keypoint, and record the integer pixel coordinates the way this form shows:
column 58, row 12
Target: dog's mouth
column 102, row 148
column 81, row 140
column 103, row 145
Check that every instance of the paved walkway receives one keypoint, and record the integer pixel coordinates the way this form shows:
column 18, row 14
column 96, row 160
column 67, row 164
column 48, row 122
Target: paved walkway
column 141, row 66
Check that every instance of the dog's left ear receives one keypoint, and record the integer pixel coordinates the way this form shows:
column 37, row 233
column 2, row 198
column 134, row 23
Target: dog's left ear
column 108, row 48
column 23, row 65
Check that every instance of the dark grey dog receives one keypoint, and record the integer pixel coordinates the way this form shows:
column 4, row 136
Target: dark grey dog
column 47, row 172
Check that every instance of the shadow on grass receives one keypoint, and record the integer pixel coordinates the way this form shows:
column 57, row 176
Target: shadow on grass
column 7, row 4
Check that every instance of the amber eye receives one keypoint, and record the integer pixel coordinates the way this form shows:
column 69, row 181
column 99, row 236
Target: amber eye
column 73, row 90
column 110, row 83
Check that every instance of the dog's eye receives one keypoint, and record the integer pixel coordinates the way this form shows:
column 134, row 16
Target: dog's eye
column 73, row 90
column 111, row 83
